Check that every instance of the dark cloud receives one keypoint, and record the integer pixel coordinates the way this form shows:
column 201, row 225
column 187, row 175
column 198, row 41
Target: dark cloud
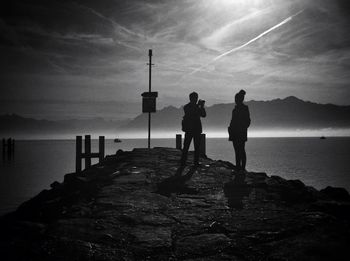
column 344, row 6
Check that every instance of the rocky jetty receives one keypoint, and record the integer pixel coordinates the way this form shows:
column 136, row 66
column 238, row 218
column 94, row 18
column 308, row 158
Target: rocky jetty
column 139, row 206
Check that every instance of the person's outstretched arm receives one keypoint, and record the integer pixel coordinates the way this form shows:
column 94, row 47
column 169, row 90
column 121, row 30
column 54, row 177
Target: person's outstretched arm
column 202, row 112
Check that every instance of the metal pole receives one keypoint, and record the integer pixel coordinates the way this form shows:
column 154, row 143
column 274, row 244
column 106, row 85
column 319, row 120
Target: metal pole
column 149, row 130
column 149, row 89
column 150, row 69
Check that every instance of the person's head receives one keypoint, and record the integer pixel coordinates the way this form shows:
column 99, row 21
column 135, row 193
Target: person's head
column 193, row 97
column 239, row 97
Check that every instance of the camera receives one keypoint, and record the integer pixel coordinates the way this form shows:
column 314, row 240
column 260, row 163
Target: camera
column 201, row 103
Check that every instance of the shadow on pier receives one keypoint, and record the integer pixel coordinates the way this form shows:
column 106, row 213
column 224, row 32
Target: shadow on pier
column 177, row 183
column 236, row 191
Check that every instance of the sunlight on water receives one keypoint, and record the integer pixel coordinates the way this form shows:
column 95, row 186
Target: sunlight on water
column 142, row 134
column 329, row 132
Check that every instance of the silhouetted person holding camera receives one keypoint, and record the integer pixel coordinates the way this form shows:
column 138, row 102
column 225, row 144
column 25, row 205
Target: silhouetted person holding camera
column 192, row 126
column 240, row 122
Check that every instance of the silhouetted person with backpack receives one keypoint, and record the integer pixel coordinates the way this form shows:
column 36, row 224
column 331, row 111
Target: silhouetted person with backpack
column 240, row 122
column 192, row 126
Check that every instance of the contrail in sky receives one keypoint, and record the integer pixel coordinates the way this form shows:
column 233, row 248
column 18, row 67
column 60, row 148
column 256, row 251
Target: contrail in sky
column 247, row 43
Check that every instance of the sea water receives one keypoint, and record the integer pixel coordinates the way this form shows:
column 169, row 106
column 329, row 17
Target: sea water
column 316, row 162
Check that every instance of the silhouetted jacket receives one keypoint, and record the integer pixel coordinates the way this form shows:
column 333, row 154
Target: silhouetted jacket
column 240, row 122
column 192, row 120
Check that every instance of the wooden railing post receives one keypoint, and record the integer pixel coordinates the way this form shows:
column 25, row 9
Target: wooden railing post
column 78, row 152
column 9, row 148
column 87, row 153
column 101, row 148
column 178, row 141
column 202, row 148
column 3, row 147
column 13, row 147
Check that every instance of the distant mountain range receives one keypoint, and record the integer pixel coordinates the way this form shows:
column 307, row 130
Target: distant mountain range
column 288, row 113
column 15, row 124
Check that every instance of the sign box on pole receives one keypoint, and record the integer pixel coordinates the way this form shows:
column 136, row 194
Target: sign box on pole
column 149, row 101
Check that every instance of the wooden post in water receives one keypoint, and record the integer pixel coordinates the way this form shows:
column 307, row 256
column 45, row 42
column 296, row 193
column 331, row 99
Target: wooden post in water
column 202, row 148
column 3, row 148
column 13, row 147
column 178, row 141
column 101, row 148
column 87, row 154
column 78, row 153
column 9, row 148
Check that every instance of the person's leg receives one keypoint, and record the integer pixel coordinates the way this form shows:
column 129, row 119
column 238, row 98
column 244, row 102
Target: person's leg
column 196, row 143
column 187, row 142
column 238, row 161
column 243, row 155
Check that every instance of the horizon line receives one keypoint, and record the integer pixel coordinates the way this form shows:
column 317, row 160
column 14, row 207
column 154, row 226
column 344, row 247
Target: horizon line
column 114, row 101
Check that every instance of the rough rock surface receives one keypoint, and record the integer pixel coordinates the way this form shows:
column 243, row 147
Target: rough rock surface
column 138, row 206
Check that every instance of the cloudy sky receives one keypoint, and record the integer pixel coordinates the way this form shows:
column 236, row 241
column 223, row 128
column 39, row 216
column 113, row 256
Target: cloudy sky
column 82, row 59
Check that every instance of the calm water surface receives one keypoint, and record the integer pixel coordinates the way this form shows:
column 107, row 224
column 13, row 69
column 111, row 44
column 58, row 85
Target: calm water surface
column 316, row 162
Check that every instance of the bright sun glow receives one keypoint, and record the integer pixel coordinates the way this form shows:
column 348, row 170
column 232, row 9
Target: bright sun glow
column 225, row 2
column 237, row 2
